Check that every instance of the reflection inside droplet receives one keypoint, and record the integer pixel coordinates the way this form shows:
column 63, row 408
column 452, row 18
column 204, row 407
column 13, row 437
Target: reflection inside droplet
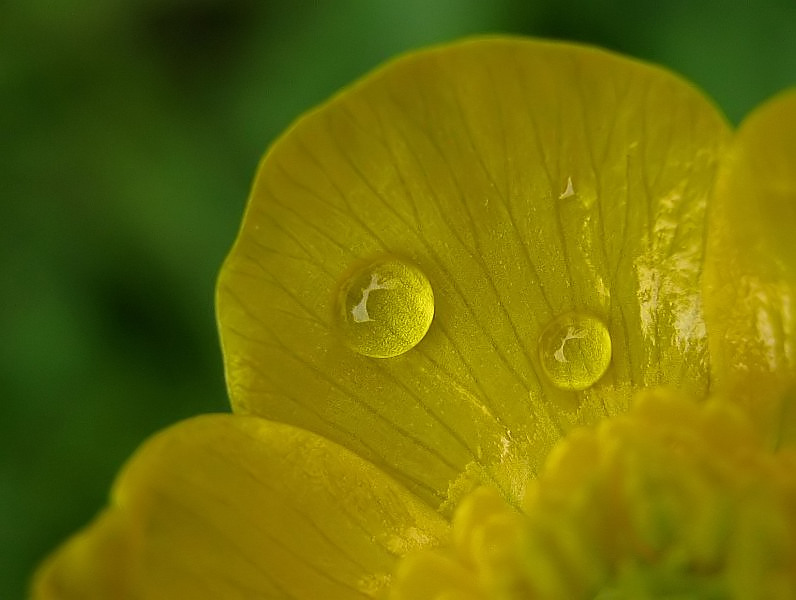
column 386, row 308
column 575, row 350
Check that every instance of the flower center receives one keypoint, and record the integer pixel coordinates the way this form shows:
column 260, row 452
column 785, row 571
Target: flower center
column 674, row 500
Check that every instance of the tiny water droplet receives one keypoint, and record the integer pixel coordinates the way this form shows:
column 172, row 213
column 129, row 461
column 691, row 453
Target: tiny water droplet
column 385, row 308
column 575, row 350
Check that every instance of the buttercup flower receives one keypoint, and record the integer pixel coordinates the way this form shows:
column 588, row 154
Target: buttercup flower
column 507, row 318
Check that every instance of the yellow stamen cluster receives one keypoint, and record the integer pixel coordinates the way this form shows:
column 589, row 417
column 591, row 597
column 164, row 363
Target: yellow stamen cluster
column 675, row 499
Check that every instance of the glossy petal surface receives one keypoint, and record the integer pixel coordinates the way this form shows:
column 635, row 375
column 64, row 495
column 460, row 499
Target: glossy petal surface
column 750, row 272
column 526, row 180
column 237, row 507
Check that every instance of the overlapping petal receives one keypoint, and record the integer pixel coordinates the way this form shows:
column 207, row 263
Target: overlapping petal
column 526, row 180
column 231, row 507
column 750, row 269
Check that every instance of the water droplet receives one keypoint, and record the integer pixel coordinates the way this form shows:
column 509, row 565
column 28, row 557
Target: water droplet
column 386, row 308
column 575, row 350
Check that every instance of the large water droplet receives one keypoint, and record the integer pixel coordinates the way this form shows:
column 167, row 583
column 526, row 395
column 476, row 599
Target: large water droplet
column 385, row 308
column 575, row 350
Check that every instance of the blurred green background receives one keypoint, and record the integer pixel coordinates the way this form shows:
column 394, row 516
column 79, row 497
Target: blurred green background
column 129, row 133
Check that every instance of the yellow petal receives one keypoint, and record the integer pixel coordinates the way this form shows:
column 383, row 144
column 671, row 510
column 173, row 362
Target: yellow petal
column 526, row 180
column 750, row 272
column 232, row 507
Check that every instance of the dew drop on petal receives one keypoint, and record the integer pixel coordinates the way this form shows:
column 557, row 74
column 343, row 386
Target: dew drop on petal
column 575, row 350
column 385, row 308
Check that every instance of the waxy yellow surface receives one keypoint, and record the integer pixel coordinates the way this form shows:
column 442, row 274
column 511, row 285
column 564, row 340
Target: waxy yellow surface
column 233, row 507
column 750, row 271
column 526, row 179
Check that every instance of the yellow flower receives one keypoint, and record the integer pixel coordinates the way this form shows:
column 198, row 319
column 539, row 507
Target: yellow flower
column 475, row 252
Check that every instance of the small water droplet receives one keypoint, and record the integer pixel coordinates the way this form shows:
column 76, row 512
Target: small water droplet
column 385, row 308
column 575, row 350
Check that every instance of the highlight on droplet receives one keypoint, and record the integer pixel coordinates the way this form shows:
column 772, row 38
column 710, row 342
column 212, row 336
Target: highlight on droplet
column 385, row 308
column 575, row 350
